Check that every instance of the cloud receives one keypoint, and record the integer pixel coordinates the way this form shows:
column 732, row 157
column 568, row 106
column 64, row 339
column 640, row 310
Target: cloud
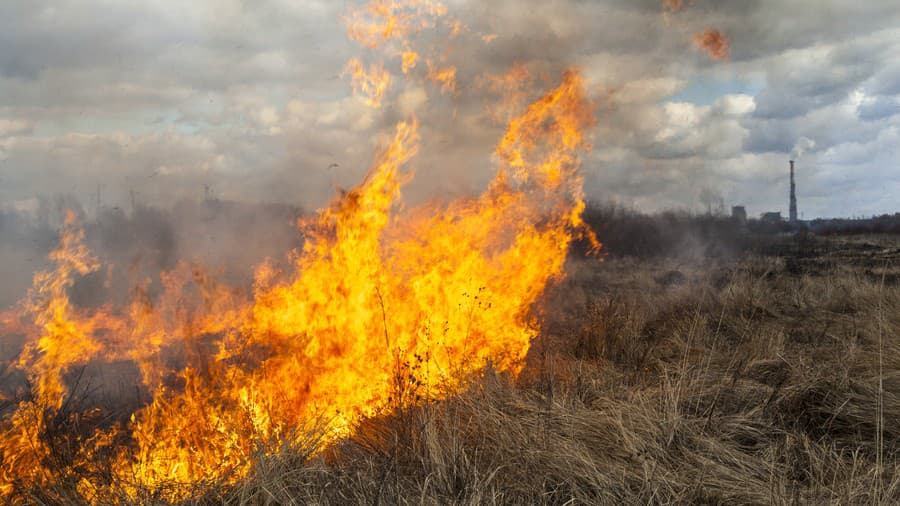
column 879, row 107
column 167, row 97
column 15, row 127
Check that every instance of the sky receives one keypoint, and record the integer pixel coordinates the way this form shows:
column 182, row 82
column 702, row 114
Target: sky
column 249, row 98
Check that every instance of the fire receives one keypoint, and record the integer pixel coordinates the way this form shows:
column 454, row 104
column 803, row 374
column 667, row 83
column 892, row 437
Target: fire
column 60, row 340
column 409, row 59
column 715, row 43
column 512, row 86
column 381, row 21
column 456, row 27
column 380, row 309
column 371, row 83
column 63, row 338
column 712, row 41
column 391, row 26
column 443, row 76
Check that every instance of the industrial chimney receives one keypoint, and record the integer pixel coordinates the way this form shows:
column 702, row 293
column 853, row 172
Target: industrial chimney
column 793, row 208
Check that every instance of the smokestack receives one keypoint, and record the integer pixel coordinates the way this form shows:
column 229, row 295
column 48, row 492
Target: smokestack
column 793, row 205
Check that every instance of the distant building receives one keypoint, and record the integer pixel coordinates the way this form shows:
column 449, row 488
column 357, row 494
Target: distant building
column 792, row 204
column 739, row 215
column 771, row 217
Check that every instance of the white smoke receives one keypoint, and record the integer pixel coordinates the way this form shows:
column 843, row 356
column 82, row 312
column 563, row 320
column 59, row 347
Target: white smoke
column 803, row 145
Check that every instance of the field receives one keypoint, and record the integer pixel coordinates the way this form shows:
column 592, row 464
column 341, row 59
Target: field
column 766, row 378
column 769, row 380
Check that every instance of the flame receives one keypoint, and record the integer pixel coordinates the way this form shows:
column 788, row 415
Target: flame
column 443, row 76
column 456, row 27
column 712, row 41
column 61, row 340
column 510, row 87
column 380, row 21
column 391, row 25
column 11, row 323
column 715, row 43
column 380, row 309
column 371, row 84
column 409, row 59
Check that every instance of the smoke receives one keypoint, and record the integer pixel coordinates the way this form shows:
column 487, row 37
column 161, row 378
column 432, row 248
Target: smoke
column 804, row 145
column 673, row 5
column 229, row 239
column 261, row 113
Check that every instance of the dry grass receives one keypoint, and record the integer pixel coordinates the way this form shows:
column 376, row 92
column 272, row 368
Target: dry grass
column 756, row 382
column 764, row 381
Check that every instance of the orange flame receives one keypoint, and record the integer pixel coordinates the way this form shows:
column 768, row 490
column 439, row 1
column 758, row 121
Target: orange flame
column 379, row 309
column 62, row 339
column 711, row 40
column 715, row 43
column 510, row 88
column 444, row 76
column 391, row 26
column 409, row 59
column 456, row 27
column 380, row 21
column 371, row 84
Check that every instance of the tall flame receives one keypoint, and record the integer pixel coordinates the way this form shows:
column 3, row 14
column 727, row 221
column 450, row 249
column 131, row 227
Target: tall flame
column 380, row 310
column 60, row 339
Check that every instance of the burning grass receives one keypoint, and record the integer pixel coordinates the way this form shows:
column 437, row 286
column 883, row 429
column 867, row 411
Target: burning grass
column 379, row 311
column 443, row 353
column 743, row 382
column 746, row 384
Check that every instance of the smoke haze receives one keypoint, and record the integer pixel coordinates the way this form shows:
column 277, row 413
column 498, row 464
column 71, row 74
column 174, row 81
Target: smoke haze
column 245, row 101
column 227, row 239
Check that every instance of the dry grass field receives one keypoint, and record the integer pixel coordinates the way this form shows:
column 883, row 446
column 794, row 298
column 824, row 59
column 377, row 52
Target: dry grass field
column 769, row 379
column 765, row 380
